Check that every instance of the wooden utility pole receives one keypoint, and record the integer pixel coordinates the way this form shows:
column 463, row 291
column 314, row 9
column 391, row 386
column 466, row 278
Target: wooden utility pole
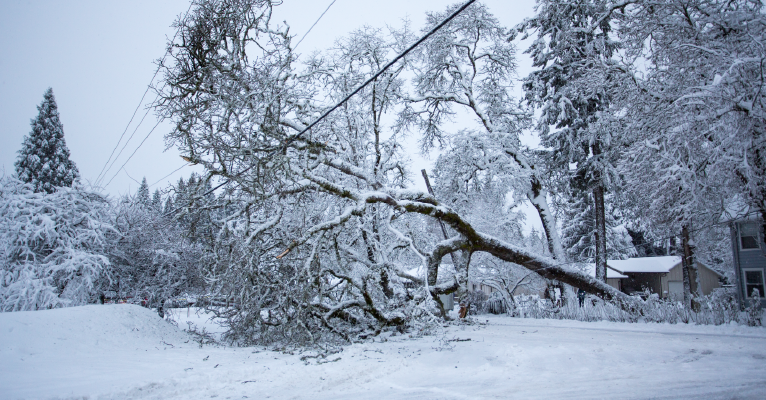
column 431, row 192
column 444, row 231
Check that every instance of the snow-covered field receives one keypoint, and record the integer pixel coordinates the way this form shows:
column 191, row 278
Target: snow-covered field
column 127, row 352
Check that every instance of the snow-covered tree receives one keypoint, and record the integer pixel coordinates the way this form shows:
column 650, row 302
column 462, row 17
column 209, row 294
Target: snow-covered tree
column 157, row 200
column 150, row 255
column 573, row 52
column 142, row 196
column 694, row 116
column 52, row 252
column 43, row 159
column 470, row 66
column 321, row 240
column 579, row 228
column 194, row 212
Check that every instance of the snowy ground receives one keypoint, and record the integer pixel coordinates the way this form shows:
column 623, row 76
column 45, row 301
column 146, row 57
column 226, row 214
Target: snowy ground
column 127, row 352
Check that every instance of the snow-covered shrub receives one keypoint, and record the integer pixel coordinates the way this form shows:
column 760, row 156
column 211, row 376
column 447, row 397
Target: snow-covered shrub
column 495, row 304
column 480, row 303
column 530, row 306
column 754, row 312
column 475, row 301
column 152, row 259
column 50, row 245
column 719, row 307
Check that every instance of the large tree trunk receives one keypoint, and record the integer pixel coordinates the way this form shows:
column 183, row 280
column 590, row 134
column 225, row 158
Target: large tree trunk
column 598, row 196
column 598, row 199
column 538, row 197
column 694, row 289
column 686, row 258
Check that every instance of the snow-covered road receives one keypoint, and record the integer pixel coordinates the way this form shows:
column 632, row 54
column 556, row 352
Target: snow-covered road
column 127, row 352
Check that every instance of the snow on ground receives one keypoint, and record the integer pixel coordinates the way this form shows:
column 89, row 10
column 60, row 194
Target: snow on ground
column 128, row 352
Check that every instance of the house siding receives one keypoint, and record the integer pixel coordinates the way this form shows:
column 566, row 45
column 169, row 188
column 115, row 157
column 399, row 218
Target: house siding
column 709, row 280
column 614, row 282
column 746, row 259
column 750, row 259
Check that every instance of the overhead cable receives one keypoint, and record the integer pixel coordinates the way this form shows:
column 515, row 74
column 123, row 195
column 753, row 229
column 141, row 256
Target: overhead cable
column 104, row 169
column 134, row 151
column 315, row 24
column 382, row 70
column 357, row 90
column 103, row 173
column 161, row 179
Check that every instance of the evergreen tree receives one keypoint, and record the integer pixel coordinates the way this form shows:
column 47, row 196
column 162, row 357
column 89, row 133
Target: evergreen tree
column 157, row 200
column 143, row 193
column 573, row 52
column 579, row 229
column 43, row 160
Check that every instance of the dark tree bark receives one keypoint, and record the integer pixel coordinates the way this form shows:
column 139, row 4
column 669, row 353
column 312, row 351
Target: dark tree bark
column 598, row 196
column 598, row 199
column 691, row 288
column 685, row 266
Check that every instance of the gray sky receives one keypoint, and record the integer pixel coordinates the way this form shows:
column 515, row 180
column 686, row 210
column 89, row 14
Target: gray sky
column 98, row 58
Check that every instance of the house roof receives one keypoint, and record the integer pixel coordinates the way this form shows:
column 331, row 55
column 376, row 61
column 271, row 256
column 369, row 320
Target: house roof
column 645, row 264
column 590, row 269
column 651, row 265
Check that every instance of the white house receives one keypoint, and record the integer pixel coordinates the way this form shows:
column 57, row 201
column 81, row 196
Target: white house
column 662, row 275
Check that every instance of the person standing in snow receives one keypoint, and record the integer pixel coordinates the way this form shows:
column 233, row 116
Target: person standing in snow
column 581, row 296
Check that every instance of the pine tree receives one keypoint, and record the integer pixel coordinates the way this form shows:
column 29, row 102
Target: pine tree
column 573, row 52
column 43, row 160
column 157, row 200
column 143, row 193
column 169, row 206
column 579, row 229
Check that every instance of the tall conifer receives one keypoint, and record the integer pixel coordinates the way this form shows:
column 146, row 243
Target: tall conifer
column 43, row 159
column 143, row 193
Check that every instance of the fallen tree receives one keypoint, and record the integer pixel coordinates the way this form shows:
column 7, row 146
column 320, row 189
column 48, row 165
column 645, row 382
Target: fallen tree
column 321, row 240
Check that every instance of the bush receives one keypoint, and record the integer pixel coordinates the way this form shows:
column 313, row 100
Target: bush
column 51, row 246
column 718, row 308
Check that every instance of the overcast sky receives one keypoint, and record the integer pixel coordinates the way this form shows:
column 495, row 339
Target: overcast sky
column 98, row 58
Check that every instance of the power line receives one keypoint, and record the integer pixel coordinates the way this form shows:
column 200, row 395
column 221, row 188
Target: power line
column 104, row 172
column 382, row 70
column 176, row 170
column 134, row 151
column 315, row 24
column 126, row 130
column 104, row 169
column 126, row 173
column 323, row 116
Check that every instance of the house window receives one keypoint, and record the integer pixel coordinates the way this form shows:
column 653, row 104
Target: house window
column 753, row 281
column 748, row 236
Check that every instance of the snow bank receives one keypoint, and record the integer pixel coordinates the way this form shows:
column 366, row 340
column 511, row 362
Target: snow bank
column 127, row 352
column 96, row 346
column 86, row 327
